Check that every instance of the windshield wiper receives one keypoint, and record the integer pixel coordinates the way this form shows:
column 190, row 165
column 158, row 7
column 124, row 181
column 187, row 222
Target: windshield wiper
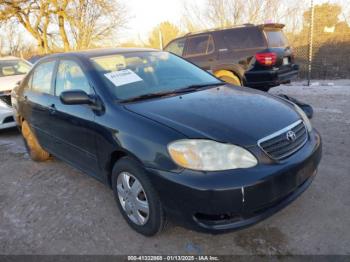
column 146, row 96
column 192, row 88
column 186, row 89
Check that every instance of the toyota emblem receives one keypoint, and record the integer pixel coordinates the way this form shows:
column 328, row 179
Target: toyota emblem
column 291, row 136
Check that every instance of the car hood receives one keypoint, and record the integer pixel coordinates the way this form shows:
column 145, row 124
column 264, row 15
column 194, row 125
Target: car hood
column 7, row 83
column 228, row 114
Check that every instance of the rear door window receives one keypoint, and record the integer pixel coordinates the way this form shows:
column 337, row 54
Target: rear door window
column 199, row 45
column 42, row 77
column 243, row 38
column 276, row 38
column 176, row 47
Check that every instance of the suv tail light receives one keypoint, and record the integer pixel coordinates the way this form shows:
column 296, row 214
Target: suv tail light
column 266, row 59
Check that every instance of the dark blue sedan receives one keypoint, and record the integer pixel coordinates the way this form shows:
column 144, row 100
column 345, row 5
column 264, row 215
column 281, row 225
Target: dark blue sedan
column 171, row 140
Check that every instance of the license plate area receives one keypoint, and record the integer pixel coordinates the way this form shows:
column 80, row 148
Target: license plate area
column 264, row 193
column 285, row 60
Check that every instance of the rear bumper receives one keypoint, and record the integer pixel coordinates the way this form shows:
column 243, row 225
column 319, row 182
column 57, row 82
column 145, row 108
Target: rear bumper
column 264, row 79
column 223, row 201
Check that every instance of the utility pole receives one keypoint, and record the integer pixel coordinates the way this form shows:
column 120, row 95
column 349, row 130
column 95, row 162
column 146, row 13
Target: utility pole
column 311, row 39
column 160, row 40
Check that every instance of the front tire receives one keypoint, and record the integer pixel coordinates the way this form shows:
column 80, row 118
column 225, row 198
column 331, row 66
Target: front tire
column 35, row 151
column 136, row 197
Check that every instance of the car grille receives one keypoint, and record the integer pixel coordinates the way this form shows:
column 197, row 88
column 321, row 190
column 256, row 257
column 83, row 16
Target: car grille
column 285, row 142
column 6, row 99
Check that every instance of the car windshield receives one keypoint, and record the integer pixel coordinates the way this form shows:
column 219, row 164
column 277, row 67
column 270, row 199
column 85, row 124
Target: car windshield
column 276, row 38
column 13, row 67
column 136, row 74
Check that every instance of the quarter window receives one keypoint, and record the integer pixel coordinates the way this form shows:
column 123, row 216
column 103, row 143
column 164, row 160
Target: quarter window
column 276, row 38
column 176, row 47
column 42, row 77
column 199, row 45
column 243, row 38
column 71, row 77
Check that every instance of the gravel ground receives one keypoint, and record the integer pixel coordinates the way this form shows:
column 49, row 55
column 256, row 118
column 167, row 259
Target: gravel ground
column 51, row 208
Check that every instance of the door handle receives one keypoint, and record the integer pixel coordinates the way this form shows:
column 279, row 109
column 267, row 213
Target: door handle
column 52, row 109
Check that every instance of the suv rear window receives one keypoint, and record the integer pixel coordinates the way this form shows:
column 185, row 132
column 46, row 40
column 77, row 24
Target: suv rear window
column 276, row 38
column 243, row 38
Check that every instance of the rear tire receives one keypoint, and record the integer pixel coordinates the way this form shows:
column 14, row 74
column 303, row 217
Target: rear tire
column 228, row 77
column 35, row 151
column 147, row 219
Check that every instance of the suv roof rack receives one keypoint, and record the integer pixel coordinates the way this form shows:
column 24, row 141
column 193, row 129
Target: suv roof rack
column 219, row 29
column 271, row 25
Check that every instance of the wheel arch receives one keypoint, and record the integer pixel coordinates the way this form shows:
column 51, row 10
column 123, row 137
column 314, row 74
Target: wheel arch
column 235, row 69
column 115, row 156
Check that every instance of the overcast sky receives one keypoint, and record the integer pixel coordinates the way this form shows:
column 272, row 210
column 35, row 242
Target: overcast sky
column 146, row 14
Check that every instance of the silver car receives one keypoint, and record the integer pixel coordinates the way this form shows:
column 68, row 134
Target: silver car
column 12, row 71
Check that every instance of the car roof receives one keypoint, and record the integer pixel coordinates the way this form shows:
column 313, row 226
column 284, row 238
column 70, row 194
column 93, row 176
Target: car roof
column 220, row 29
column 99, row 52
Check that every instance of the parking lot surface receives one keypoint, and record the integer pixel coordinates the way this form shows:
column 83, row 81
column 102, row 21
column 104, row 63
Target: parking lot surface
column 51, row 208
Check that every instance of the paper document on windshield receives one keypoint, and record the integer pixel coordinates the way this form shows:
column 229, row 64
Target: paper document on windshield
column 123, row 77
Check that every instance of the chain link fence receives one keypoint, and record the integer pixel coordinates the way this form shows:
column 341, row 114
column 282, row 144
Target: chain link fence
column 330, row 60
column 329, row 45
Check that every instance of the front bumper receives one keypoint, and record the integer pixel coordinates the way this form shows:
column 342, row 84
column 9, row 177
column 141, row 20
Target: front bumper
column 6, row 118
column 261, row 79
column 222, row 201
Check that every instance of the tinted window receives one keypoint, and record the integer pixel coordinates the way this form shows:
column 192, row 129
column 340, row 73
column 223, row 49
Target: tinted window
column 42, row 77
column 276, row 39
column 176, row 47
column 133, row 74
column 242, row 38
column 198, row 45
column 71, row 77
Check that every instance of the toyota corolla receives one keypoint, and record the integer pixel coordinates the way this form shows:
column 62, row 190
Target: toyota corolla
column 171, row 140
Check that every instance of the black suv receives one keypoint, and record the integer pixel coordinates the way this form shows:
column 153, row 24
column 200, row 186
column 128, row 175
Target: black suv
column 257, row 56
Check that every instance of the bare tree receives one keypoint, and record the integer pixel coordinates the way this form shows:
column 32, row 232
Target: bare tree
column 94, row 21
column 73, row 24
column 193, row 18
column 33, row 15
column 59, row 11
column 226, row 13
column 345, row 15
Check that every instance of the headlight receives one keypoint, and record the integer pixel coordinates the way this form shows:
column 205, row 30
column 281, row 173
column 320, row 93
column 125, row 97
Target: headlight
column 208, row 155
column 304, row 117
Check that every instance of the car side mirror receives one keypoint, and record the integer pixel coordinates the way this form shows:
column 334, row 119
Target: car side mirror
column 76, row 97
